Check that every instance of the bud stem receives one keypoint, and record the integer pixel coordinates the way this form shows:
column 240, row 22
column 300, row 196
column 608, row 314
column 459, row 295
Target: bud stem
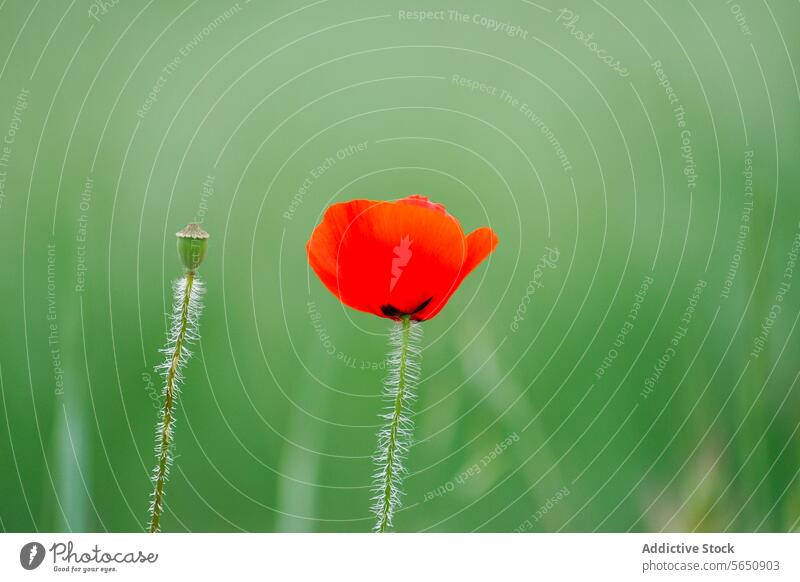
column 164, row 432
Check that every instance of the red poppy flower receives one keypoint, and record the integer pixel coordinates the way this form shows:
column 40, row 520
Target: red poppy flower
column 395, row 258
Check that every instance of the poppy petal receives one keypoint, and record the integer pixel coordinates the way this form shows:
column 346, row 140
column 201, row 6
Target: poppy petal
column 417, row 200
column 480, row 244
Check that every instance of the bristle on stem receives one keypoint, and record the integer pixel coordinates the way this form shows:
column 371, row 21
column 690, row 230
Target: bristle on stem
column 186, row 308
column 396, row 435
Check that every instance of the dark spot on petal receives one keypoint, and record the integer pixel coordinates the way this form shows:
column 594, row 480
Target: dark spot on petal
column 422, row 305
column 392, row 311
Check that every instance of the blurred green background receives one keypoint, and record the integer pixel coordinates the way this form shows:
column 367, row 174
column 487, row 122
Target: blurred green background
column 633, row 340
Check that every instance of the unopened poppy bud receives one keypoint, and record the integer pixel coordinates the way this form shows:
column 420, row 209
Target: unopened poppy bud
column 192, row 245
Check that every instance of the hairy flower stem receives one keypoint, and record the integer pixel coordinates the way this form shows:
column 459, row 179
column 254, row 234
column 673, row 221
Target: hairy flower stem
column 184, row 319
column 394, row 438
column 383, row 517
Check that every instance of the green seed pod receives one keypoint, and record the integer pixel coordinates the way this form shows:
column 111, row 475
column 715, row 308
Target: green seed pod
column 192, row 245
